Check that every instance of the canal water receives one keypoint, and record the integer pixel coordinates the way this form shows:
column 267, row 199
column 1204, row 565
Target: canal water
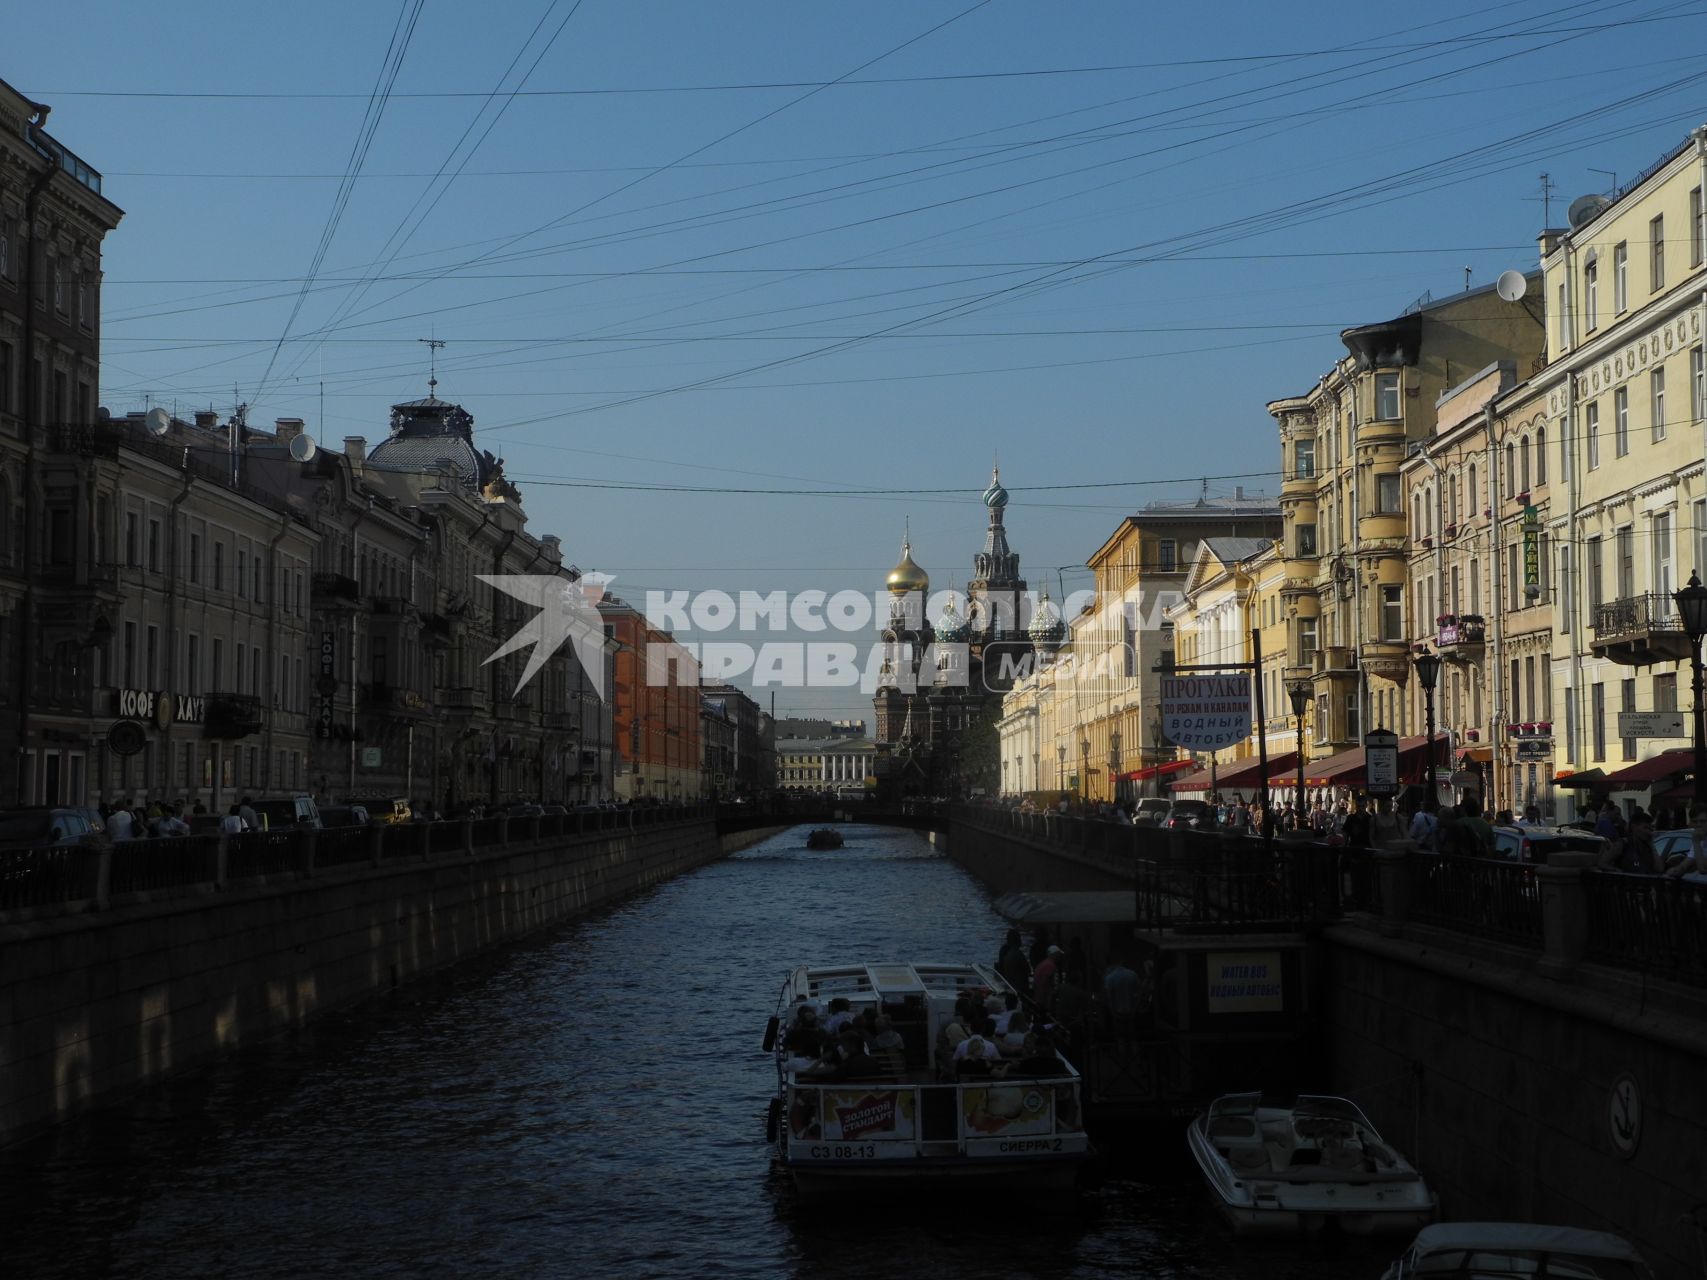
column 590, row 1103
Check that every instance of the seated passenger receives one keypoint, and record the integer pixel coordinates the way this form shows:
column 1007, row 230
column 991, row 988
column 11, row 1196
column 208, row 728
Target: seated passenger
column 886, row 1036
column 1012, row 1045
column 1039, row 1059
column 840, row 1015
column 975, row 1057
column 857, row 1063
column 805, row 1038
column 1010, row 1004
column 828, row 1066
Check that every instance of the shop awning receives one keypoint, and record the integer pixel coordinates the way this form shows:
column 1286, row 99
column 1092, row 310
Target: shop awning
column 1242, row 775
column 1644, row 773
column 1346, row 768
column 1480, row 751
column 1163, row 770
column 1581, row 778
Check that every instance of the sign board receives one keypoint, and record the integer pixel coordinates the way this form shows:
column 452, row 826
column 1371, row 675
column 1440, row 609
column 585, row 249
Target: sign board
column 1651, row 724
column 370, row 757
column 1532, row 750
column 126, row 737
column 327, row 683
column 1206, row 713
column 1381, row 762
column 1531, row 552
column 1244, row 982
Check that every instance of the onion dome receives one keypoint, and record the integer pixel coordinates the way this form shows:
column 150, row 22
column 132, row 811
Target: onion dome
column 907, row 576
column 1046, row 625
column 995, row 495
column 952, row 628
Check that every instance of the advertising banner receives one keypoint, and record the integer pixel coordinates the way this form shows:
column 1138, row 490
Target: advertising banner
column 1206, row 713
column 848, row 1114
column 1006, row 1110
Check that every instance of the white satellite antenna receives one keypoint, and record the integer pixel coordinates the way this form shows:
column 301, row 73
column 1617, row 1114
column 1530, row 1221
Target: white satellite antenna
column 1511, row 286
column 302, row 447
column 158, row 421
column 1586, row 209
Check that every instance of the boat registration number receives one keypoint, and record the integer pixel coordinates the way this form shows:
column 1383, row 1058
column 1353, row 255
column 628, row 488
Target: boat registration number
column 841, row 1152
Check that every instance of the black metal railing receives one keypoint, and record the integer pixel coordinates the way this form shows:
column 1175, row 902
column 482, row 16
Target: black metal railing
column 1635, row 616
column 168, row 862
column 41, row 877
column 342, row 846
column 260, row 853
column 1651, row 922
column 1484, row 896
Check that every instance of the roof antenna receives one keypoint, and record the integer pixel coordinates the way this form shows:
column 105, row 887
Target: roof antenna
column 433, row 345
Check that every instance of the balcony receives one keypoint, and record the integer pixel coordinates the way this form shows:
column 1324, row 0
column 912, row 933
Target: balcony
column 1388, row 659
column 435, row 630
column 560, row 720
column 1460, row 639
column 396, row 606
column 335, row 589
column 462, row 700
column 232, row 715
column 1639, row 630
column 1334, row 659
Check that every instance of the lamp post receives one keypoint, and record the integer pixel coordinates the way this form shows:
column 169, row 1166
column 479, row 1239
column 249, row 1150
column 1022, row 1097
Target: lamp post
column 1084, row 767
column 1692, row 607
column 1060, row 766
column 1114, row 763
column 1298, row 689
column 1428, row 671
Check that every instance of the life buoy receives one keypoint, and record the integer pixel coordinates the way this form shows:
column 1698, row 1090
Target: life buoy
column 773, row 1119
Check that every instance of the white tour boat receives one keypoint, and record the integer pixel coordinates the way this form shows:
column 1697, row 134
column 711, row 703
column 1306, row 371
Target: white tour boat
column 906, row 1114
column 1521, row 1250
column 1303, row 1166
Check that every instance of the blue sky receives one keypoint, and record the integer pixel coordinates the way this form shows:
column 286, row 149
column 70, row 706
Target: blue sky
column 814, row 246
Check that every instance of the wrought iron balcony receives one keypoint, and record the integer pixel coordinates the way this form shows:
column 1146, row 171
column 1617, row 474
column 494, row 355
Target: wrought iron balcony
column 1639, row 630
column 1460, row 639
column 462, row 700
column 335, row 588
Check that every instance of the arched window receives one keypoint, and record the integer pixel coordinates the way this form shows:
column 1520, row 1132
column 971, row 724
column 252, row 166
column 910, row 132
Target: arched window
column 1541, row 455
column 1510, row 470
column 1472, row 496
column 1523, row 467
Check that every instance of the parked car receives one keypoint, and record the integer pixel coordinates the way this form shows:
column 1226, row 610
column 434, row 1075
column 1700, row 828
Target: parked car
column 1537, row 844
column 1151, row 811
column 42, row 827
column 1193, row 814
column 344, row 815
column 1518, row 1249
column 286, row 813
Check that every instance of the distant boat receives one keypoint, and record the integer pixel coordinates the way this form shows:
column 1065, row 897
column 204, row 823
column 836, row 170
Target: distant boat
column 824, row 838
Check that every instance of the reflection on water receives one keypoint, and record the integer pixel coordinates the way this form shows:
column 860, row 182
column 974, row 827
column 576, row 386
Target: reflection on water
column 589, row 1103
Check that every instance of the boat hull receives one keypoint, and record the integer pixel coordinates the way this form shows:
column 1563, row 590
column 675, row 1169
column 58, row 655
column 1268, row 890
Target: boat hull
column 1035, row 1173
column 1247, row 1221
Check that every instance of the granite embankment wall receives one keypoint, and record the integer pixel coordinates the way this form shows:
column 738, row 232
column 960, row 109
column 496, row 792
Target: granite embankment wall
column 1578, row 1099
column 100, row 1002
column 1011, row 863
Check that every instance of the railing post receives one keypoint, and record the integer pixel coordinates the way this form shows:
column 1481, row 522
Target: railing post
column 305, row 842
column 221, row 860
column 1564, row 912
column 1393, row 870
column 95, row 875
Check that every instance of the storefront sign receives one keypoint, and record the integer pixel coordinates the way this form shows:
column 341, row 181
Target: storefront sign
column 1531, row 553
column 1533, row 750
column 126, row 737
column 327, row 684
column 159, row 707
column 1206, row 713
column 1244, row 982
column 370, row 757
column 1651, row 724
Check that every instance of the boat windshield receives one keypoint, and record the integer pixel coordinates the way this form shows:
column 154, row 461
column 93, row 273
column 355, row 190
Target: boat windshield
column 1501, row 1264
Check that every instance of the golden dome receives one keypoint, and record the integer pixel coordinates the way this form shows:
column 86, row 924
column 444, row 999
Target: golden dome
column 907, row 576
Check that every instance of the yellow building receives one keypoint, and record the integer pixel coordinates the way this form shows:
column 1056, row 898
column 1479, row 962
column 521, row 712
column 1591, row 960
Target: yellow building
column 1345, row 542
column 1624, row 397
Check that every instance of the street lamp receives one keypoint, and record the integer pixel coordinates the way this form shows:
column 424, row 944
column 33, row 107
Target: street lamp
column 1692, row 606
column 1114, row 763
column 1428, row 671
column 1298, row 689
column 1084, row 766
column 1060, row 766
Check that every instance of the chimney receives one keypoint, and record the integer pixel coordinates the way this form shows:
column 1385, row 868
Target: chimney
column 1238, row 493
column 207, row 419
column 288, row 429
column 552, row 546
column 355, row 449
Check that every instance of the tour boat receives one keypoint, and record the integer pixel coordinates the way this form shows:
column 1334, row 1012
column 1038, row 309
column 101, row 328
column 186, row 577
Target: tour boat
column 1302, row 1166
column 824, row 838
column 1518, row 1250
column 909, row 1119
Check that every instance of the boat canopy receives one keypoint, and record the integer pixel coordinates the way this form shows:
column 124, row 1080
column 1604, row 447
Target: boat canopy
column 1521, row 1237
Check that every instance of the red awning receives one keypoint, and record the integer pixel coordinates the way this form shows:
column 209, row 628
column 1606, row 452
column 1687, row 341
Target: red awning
column 1346, row 768
column 1164, row 769
column 1242, row 775
column 1644, row 773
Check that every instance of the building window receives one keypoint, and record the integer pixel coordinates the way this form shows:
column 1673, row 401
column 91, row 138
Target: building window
column 1620, row 277
column 219, row 566
column 193, row 665
column 1167, row 551
column 1392, row 613
column 195, row 557
column 1387, row 401
column 1664, row 583
column 1626, row 552
column 1515, row 576
column 1564, row 323
column 1697, row 228
column 1598, row 710
column 1698, row 383
column 1510, row 471
column 1591, row 305
column 1657, row 254
column 151, row 660
column 1591, row 425
column 1595, row 573
column 1567, row 588
column 130, row 655
column 1304, row 460
column 1665, row 693
column 1523, row 465
column 1353, row 718
column 255, row 672
column 242, row 573
column 1387, row 499
column 1306, row 640
column 1621, row 422
column 154, row 546
column 1627, row 702
column 1306, row 539
column 1657, row 402
column 216, row 664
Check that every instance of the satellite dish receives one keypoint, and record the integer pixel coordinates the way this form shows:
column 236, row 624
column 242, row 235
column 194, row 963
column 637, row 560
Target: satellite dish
column 1586, row 209
column 1511, row 286
column 302, row 447
column 158, row 421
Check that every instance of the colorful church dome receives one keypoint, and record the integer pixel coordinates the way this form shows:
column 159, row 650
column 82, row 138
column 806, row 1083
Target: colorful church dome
column 995, row 495
column 952, row 628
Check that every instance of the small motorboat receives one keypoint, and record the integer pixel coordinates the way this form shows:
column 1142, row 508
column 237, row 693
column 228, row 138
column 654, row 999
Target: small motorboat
column 1300, row 1166
column 824, row 838
column 1518, row 1249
